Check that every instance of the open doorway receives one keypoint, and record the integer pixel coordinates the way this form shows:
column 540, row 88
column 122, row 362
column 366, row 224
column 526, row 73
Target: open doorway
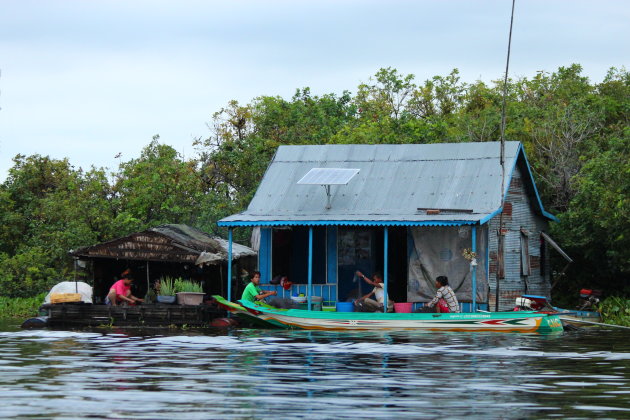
column 289, row 254
column 363, row 249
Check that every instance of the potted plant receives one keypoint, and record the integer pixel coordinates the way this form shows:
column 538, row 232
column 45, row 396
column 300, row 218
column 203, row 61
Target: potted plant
column 188, row 292
column 166, row 290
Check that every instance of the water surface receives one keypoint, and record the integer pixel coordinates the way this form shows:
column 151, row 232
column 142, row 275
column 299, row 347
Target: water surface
column 246, row 373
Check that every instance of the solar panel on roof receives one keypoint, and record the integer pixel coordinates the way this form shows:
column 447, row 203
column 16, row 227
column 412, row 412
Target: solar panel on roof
column 328, row 176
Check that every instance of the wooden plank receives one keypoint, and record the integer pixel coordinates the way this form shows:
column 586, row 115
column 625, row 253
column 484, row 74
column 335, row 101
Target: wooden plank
column 146, row 315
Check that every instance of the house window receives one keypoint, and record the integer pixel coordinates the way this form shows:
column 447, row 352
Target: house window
column 290, row 254
column 525, row 267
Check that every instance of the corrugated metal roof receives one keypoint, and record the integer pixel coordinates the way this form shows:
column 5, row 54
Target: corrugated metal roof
column 393, row 182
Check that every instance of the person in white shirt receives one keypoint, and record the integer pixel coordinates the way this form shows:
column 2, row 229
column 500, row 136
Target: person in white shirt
column 365, row 303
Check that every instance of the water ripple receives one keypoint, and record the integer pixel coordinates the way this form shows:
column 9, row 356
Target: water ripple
column 285, row 374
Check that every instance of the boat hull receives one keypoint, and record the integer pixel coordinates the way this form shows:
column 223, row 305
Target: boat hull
column 523, row 322
column 241, row 313
column 577, row 318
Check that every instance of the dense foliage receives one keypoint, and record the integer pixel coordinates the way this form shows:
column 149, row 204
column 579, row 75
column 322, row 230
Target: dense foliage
column 20, row 307
column 575, row 133
column 615, row 310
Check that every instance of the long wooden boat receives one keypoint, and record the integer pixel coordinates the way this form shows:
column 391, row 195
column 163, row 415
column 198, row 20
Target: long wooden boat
column 240, row 312
column 578, row 318
column 575, row 318
column 520, row 321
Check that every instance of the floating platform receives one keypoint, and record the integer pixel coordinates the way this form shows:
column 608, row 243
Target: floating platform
column 151, row 315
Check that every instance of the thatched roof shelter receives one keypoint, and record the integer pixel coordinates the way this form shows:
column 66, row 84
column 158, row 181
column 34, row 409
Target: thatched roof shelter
column 169, row 250
column 167, row 243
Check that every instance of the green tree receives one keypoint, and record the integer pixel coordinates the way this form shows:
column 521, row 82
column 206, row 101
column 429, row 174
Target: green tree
column 28, row 273
column 596, row 228
column 564, row 121
column 157, row 188
column 575, row 133
column 244, row 138
column 48, row 208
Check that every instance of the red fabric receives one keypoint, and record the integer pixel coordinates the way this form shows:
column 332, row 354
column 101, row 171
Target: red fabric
column 443, row 306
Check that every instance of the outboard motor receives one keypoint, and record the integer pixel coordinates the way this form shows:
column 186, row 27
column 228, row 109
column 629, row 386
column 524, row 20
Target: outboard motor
column 523, row 304
column 588, row 298
column 532, row 303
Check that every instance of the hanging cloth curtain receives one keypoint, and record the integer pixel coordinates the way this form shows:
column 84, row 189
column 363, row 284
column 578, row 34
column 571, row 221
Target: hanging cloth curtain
column 438, row 251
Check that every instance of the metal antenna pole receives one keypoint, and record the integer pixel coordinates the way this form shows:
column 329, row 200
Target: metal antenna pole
column 502, row 160
column 327, row 188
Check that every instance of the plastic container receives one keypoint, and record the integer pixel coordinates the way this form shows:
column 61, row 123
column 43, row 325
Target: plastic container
column 165, row 299
column 316, row 306
column 345, row 307
column 302, row 301
column 403, row 307
column 189, row 298
column 298, row 299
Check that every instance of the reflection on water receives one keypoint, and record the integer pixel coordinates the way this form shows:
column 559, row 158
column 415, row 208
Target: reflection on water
column 283, row 374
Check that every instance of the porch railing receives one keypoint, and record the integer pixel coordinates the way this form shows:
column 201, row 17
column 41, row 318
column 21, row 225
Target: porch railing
column 329, row 294
column 327, row 291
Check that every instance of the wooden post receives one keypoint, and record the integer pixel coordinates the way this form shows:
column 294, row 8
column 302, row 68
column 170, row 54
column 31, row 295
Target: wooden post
column 229, row 270
column 474, row 270
column 385, row 276
column 310, row 266
column 148, row 281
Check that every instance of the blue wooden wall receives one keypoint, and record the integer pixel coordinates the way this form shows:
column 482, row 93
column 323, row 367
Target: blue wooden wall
column 264, row 255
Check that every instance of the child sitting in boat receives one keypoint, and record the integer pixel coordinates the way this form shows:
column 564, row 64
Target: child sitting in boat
column 445, row 298
column 365, row 303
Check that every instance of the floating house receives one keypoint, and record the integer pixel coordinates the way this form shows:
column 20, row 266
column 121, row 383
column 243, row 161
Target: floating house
column 413, row 212
column 174, row 250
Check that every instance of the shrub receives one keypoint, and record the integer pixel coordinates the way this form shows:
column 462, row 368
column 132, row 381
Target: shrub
column 615, row 310
column 20, row 307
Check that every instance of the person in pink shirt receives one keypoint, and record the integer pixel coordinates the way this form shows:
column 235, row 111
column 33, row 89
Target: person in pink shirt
column 120, row 292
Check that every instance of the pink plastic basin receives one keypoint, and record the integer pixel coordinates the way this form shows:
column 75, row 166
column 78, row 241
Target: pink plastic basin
column 403, row 308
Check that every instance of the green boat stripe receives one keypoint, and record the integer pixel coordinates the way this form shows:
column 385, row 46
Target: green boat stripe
column 523, row 321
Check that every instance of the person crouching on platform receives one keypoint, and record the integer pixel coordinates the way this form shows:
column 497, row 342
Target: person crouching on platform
column 120, row 292
column 366, row 304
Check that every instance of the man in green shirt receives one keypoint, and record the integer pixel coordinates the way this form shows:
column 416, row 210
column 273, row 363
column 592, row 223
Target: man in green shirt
column 253, row 292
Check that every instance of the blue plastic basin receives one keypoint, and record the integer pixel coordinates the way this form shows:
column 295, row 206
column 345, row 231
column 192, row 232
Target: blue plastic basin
column 345, row 307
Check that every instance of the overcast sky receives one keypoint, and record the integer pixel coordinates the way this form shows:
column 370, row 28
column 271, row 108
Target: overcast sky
column 89, row 79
